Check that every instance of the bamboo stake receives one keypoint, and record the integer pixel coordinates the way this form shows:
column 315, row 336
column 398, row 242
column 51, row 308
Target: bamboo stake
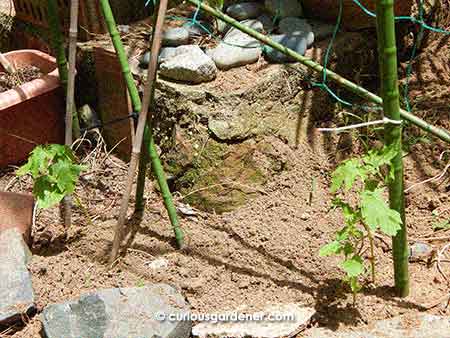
column 73, row 32
column 132, row 90
column 360, row 91
column 387, row 53
column 148, row 137
column 57, row 42
column 157, row 36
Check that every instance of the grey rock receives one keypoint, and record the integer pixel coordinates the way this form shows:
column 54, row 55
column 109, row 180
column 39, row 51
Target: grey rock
column 222, row 27
column 168, row 52
column 197, row 30
column 296, row 42
column 123, row 28
column 284, row 8
column 420, row 251
column 144, row 60
column 88, row 116
column 251, row 23
column 229, row 130
column 261, row 329
column 321, row 29
column 174, row 37
column 245, row 10
column 229, row 53
column 235, row 125
column 16, row 292
column 190, row 64
column 164, row 54
column 297, row 26
column 120, row 313
column 267, row 22
column 412, row 326
column 237, row 48
column 157, row 264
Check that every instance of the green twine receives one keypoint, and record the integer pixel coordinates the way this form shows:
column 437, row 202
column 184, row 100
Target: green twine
column 419, row 21
column 323, row 84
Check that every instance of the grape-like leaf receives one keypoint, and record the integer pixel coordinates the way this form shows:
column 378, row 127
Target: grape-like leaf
column 353, row 266
column 53, row 172
column 330, row 249
column 346, row 174
column 377, row 158
column 376, row 213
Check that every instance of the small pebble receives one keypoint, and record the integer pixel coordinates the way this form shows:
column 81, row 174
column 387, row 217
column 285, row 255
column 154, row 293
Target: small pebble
column 245, row 10
column 305, row 216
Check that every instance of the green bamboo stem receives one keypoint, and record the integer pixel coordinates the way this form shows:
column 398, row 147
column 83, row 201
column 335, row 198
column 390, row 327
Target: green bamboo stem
column 132, row 90
column 148, row 136
column 57, row 42
column 387, row 51
column 354, row 88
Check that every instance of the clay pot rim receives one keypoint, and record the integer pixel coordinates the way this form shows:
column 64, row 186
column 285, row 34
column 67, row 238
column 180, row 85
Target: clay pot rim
column 32, row 88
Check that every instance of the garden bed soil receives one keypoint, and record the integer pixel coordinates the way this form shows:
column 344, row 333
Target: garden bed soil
column 264, row 252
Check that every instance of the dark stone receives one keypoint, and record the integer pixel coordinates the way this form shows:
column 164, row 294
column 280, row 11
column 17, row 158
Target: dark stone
column 16, row 292
column 245, row 10
column 296, row 42
column 120, row 313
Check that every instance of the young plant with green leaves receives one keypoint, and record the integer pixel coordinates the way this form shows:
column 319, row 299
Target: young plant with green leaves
column 368, row 177
column 54, row 171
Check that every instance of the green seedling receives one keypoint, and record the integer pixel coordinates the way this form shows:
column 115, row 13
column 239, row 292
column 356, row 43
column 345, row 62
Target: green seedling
column 367, row 177
column 54, row 171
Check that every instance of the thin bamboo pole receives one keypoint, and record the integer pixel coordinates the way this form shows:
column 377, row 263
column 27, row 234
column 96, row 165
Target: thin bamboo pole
column 148, row 137
column 57, row 44
column 156, row 43
column 132, row 90
column 387, row 53
column 73, row 32
column 360, row 91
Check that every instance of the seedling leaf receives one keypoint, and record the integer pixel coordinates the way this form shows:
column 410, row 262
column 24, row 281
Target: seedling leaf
column 353, row 266
column 376, row 213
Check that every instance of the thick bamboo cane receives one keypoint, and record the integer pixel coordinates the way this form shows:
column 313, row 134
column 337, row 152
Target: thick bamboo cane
column 360, row 91
column 387, row 52
column 157, row 36
column 57, row 42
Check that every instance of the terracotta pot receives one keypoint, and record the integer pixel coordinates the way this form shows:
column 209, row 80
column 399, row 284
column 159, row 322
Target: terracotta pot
column 353, row 18
column 16, row 211
column 32, row 113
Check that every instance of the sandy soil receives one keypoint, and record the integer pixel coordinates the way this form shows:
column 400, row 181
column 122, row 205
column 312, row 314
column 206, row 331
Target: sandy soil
column 265, row 252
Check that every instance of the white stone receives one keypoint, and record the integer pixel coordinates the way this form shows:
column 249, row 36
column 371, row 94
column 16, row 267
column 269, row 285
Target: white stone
column 298, row 314
column 190, row 64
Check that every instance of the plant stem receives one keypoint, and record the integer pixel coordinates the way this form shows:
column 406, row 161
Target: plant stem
column 372, row 251
column 354, row 88
column 387, row 52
